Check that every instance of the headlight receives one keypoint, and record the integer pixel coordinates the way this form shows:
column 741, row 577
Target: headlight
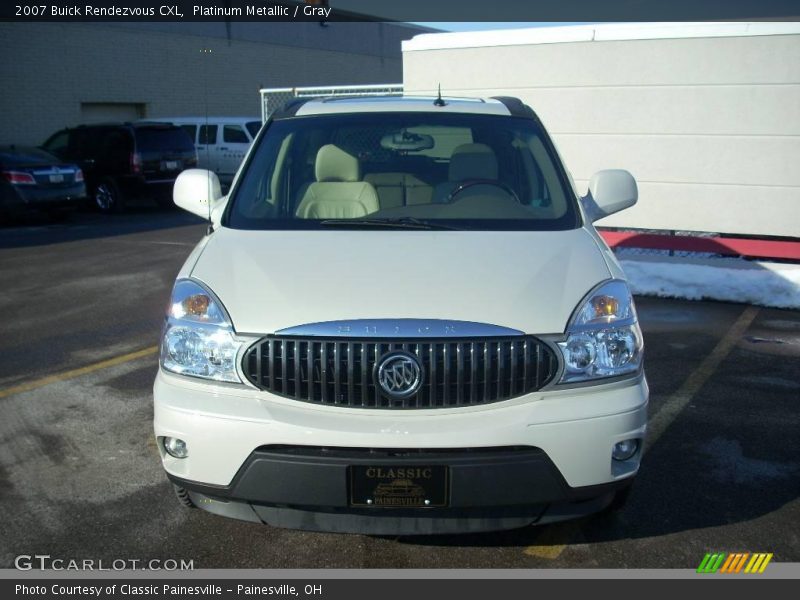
column 603, row 337
column 198, row 336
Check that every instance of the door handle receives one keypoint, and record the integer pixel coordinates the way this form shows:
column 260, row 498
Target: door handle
column 222, row 148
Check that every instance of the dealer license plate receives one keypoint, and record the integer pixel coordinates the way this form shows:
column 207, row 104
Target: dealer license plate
column 399, row 486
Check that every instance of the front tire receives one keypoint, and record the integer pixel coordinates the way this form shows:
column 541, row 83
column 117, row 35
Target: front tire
column 183, row 497
column 107, row 197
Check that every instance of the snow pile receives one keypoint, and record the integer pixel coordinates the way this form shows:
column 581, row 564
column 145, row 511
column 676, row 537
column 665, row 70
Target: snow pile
column 762, row 284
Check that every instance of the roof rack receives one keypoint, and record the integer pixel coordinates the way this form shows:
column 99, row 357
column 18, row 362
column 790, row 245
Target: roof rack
column 517, row 107
column 289, row 109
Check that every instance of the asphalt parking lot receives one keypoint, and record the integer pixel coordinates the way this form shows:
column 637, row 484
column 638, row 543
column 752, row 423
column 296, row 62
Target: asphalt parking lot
column 81, row 306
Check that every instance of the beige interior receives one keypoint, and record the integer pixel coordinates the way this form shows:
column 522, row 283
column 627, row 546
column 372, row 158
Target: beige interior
column 338, row 192
column 399, row 189
column 469, row 161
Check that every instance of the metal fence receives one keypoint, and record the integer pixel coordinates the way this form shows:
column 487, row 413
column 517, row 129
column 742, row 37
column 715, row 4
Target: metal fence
column 273, row 99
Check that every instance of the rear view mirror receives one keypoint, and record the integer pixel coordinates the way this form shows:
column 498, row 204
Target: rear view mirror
column 196, row 190
column 407, row 141
column 610, row 191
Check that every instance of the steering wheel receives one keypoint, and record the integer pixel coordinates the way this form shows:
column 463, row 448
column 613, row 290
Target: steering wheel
column 468, row 183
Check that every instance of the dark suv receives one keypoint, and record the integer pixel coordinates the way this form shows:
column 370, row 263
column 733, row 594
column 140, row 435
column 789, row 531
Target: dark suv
column 125, row 162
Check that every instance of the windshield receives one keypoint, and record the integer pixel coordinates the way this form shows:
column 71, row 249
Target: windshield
column 409, row 170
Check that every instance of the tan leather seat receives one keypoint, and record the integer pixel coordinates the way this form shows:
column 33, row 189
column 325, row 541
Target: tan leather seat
column 468, row 161
column 338, row 192
column 399, row 189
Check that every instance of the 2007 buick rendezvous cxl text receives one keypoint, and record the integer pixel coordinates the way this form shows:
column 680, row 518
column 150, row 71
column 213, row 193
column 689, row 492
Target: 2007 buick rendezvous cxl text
column 402, row 321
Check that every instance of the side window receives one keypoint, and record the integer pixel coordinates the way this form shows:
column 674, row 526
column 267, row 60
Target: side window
column 191, row 130
column 79, row 144
column 253, row 127
column 208, row 135
column 57, row 144
column 543, row 179
column 234, row 134
column 115, row 148
column 95, row 142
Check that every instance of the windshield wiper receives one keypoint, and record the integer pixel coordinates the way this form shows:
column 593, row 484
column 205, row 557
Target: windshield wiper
column 399, row 223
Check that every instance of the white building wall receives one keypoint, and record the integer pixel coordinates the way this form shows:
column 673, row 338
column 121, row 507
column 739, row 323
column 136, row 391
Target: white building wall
column 706, row 117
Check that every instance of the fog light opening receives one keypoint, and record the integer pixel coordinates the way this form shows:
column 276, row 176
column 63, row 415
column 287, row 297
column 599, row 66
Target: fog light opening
column 175, row 447
column 625, row 449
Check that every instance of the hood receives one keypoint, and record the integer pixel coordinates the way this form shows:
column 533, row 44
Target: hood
column 529, row 281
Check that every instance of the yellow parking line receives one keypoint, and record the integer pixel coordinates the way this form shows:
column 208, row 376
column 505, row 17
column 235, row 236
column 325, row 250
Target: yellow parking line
column 103, row 364
column 678, row 401
column 553, row 540
column 556, row 538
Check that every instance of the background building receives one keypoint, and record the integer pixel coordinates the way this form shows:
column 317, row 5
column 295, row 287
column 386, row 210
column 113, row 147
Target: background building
column 60, row 74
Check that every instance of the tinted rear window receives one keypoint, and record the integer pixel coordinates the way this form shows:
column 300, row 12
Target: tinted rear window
column 26, row 156
column 253, row 127
column 157, row 139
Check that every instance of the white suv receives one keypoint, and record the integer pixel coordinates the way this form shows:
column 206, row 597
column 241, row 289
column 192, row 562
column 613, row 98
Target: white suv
column 402, row 321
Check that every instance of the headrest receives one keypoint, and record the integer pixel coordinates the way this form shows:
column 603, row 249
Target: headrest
column 334, row 164
column 472, row 161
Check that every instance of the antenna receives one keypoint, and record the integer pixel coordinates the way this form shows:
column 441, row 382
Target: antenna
column 439, row 101
column 206, row 51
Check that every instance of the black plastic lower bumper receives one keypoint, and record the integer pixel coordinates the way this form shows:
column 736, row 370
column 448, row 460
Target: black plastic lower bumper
column 486, row 489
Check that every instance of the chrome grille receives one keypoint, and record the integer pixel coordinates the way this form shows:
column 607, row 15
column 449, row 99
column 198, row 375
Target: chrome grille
column 341, row 372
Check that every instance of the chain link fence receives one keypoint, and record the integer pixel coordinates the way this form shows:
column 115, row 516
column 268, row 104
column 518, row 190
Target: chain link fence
column 633, row 251
column 273, row 99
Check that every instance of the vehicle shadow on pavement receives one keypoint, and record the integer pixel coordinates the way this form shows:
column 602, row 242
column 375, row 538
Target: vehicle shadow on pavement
column 730, row 457
column 659, row 505
column 37, row 230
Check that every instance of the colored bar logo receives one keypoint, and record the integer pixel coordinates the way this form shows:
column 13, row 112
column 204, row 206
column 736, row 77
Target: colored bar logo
column 720, row 562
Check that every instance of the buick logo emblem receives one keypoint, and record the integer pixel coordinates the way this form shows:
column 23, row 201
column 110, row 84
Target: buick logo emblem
column 399, row 375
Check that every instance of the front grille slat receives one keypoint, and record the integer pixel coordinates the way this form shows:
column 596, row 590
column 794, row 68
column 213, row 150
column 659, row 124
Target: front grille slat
column 284, row 367
column 433, row 374
column 459, row 374
column 310, row 370
column 296, row 345
column 364, row 365
column 473, row 374
column 341, row 372
column 446, row 383
column 512, row 379
column 323, row 367
column 337, row 373
column 500, row 369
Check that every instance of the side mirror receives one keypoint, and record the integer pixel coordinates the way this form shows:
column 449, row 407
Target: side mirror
column 610, row 191
column 196, row 190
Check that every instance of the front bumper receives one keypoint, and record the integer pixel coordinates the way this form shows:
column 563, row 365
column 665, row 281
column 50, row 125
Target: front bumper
column 488, row 490
column 542, row 457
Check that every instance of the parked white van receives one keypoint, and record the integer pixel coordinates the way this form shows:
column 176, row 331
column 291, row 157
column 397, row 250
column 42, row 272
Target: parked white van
column 221, row 142
column 402, row 321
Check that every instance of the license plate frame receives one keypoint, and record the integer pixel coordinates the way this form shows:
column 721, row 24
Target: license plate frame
column 399, row 486
column 56, row 178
